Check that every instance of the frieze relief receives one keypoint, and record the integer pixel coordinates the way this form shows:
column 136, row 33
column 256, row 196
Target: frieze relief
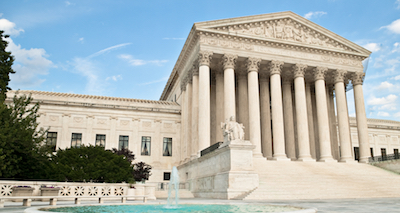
column 276, row 49
column 285, row 29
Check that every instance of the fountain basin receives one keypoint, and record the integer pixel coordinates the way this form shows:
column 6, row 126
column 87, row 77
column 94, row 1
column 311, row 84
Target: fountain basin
column 193, row 208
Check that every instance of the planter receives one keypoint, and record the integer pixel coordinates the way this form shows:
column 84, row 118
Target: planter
column 131, row 192
column 21, row 191
column 47, row 191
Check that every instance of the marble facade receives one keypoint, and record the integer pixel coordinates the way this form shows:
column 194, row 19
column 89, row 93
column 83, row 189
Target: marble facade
column 282, row 76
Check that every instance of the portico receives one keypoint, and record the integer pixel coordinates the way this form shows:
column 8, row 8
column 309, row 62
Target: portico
column 277, row 74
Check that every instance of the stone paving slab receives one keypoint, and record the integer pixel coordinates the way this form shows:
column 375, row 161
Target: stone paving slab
column 370, row 205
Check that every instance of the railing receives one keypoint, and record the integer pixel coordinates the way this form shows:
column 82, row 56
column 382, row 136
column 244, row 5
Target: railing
column 210, row 148
column 164, row 186
column 384, row 158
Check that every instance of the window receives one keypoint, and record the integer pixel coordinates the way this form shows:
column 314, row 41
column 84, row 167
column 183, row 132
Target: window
column 123, row 142
column 167, row 147
column 100, row 140
column 356, row 153
column 146, row 146
column 396, row 153
column 372, row 152
column 76, row 140
column 52, row 140
column 167, row 175
column 383, row 153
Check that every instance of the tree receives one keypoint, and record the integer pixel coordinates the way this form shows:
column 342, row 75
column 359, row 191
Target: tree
column 128, row 155
column 141, row 171
column 21, row 142
column 6, row 62
column 90, row 163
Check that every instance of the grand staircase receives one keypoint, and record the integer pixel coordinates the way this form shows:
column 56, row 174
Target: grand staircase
column 316, row 180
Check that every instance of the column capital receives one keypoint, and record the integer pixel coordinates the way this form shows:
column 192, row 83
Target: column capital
column 189, row 76
column 205, row 58
column 339, row 76
column 319, row 73
column 275, row 67
column 357, row 78
column 299, row 70
column 229, row 61
column 252, row 64
column 195, row 68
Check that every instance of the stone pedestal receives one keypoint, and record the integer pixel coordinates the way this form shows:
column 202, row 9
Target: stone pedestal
column 21, row 192
column 49, row 192
column 226, row 173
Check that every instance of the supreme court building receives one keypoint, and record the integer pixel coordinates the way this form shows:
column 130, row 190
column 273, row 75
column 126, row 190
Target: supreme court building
column 280, row 75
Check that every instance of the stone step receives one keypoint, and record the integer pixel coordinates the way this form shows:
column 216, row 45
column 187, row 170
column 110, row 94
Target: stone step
column 315, row 180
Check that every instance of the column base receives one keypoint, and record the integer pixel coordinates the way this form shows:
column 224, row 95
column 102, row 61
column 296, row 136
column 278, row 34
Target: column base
column 280, row 158
column 328, row 160
column 347, row 161
column 306, row 159
column 364, row 160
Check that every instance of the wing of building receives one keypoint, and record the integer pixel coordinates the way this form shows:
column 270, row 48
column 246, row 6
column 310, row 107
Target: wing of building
column 281, row 76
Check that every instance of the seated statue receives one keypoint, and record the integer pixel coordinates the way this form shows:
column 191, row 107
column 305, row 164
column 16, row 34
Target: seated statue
column 232, row 130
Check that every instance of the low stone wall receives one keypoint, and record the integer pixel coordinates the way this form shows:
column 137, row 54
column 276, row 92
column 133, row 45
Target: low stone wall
column 81, row 189
column 226, row 173
column 391, row 165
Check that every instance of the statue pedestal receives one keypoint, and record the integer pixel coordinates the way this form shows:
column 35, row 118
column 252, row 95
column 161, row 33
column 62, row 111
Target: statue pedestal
column 226, row 173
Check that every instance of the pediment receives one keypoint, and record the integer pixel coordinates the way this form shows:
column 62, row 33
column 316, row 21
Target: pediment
column 284, row 27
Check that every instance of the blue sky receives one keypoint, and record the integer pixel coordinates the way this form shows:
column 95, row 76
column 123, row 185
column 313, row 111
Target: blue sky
column 128, row 48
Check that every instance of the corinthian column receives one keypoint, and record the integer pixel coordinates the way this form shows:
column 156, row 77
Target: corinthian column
column 252, row 65
column 301, row 113
column 266, row 137
column 195, row 110
column 278, row 132
column 204, row 99
column 290, row 146
column 343, row 117
column 184, row 134
column 228, row 62
column 219, row 102
column 362, row 128
column 322, row 115
column 189, row 95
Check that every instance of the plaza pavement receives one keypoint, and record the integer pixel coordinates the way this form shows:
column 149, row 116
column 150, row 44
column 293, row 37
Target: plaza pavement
column 370, row 205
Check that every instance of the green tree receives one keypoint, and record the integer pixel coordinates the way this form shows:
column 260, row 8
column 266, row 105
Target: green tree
column 21, row 142
column 6, row 62
column 90, row 163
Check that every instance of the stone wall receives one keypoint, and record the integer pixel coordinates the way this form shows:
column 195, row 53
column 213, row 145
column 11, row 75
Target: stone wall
column 391, row 165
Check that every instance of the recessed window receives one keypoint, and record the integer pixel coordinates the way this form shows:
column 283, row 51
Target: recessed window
column 51, row 140
column 167, row 147
column 123, row 142
column 146, row 145
column 167, row 175
column 396, row 153
column 76, row 140
column 100, row 140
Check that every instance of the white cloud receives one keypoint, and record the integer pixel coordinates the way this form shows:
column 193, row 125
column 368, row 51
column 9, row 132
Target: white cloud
column 138, row 62
column 397, row 115
column 9, row 27
column 398, row 4
column 89, row 70
column 396, row 47
column 68, row 3
column 383, row 114
column 397, row 78
column 108, row 49
column 114, row 78
column 81, row 40
column 387, row 103
column 393, row 27
column 385, row 85
column 311, row 15
column 28, row 65
column 373, row 47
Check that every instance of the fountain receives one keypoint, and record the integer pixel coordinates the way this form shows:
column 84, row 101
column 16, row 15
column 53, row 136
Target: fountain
column 173, row 184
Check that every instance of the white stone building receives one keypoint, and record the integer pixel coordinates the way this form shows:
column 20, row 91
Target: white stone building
column 277, row 74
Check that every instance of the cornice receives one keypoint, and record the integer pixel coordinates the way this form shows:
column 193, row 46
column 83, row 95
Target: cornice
column 93, row 97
